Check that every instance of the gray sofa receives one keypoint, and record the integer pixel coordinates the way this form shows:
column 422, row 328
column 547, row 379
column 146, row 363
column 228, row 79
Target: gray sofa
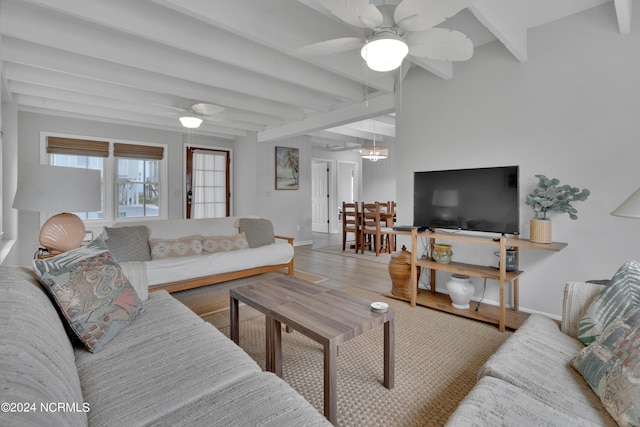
column 167, row 368
column 529, row 381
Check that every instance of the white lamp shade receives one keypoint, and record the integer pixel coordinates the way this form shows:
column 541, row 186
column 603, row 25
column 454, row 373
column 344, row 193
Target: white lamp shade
column 43, row 188
column 374, row 152
column 630, row 208
column 384, row 52
column 190, row 122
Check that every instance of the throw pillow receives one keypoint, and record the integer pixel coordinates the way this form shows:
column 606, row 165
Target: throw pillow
column 91, row 291
column 259, row 231
column 611, row 367
column 170, row 248
column 128, row 244
column 214, row 244
column 622, row 294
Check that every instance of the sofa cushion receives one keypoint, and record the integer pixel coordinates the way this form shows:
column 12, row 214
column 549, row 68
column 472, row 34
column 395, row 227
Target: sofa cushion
column 622, row 294
column 493, row 402
column 128, row 243
column 37, row 364
column 259, row 231
column 171, row 248
column 611, row 366
column 92, row 292
column 536, row 359
column 161, row 362
column 167, row 270
column 215, row 244
column 273, row 403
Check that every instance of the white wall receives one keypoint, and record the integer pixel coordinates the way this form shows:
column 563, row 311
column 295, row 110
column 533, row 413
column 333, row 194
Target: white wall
column 571, row 112
column 30, row 125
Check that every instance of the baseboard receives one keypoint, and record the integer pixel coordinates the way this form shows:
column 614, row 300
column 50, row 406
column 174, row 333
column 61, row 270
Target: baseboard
column 302, row 242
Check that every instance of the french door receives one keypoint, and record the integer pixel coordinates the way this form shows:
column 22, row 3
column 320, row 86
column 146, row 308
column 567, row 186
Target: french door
column 207, row 180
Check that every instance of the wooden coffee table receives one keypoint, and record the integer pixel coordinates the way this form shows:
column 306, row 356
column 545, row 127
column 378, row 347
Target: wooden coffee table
column 327, row 316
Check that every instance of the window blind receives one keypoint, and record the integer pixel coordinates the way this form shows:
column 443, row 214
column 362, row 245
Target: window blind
column 78, row 147
column 138, row 151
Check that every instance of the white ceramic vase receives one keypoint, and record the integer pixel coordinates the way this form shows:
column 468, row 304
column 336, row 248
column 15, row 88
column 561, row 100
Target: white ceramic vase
column 460, row 290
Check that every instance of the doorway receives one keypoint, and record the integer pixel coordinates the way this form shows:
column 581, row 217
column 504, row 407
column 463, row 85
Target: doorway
column 320, row 170
column 347, row 183
column 207, row 183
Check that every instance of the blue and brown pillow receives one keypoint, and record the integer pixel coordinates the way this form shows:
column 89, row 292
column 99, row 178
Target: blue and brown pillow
column 611, row 367
column 91, row 291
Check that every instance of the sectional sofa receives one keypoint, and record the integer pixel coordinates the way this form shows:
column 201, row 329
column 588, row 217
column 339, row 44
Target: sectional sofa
column 166, row 367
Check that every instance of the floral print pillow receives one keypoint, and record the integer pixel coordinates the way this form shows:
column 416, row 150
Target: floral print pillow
column 92, row 293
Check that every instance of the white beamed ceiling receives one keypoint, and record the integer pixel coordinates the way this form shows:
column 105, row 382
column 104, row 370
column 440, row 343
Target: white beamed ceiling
column 138, row 62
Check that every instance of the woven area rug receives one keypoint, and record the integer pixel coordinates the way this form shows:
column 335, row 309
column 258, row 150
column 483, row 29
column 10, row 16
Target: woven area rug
column 438, row 356
column 350, row 253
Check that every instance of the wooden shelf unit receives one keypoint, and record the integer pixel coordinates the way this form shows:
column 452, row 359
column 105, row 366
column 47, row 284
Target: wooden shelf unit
column 499, row 315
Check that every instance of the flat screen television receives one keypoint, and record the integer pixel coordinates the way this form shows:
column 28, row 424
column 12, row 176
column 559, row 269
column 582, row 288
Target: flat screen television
column 481, row 199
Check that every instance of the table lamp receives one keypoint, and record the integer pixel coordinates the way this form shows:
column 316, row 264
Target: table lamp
column 43, row 188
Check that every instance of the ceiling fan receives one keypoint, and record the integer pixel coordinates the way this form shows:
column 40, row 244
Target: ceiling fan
column 193, row 115
column 393, row 31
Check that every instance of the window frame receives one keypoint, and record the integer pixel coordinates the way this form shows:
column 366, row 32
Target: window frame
column 109, row 196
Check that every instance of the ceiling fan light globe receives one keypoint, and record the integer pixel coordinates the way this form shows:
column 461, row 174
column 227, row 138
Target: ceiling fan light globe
column 384, row 53
column 190, row 122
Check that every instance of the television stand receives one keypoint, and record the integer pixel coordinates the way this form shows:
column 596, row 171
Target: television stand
column 499, row 315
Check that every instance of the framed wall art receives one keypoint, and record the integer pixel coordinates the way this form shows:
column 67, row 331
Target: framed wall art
column 287, row 168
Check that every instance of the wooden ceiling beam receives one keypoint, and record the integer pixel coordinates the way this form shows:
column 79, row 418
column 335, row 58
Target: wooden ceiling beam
column 504, row 20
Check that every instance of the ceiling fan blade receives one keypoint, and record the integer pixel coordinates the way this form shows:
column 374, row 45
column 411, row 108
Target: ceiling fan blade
column 440, row 43
column 205, row 109
column 419, row 15
column 171, row 107
column 359, row 13
column 330, row 46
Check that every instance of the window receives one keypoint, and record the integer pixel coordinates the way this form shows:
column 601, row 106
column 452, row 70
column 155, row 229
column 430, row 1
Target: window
column 132, row 174
column 138, row 179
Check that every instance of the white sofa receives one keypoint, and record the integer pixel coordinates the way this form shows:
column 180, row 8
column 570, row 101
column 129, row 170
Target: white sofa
column 179, row 273
column 529, row 381
column 166, row 368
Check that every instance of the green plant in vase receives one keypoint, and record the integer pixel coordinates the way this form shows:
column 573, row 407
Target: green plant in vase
column 550, row 196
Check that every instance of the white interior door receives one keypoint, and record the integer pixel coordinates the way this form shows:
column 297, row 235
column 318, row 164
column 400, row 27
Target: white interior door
column 320, row 197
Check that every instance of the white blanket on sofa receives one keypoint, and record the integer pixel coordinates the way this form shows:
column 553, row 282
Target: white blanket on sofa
column 167, row 270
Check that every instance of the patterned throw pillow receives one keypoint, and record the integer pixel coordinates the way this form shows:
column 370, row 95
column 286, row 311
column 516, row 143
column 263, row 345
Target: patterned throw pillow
column 171, row 248
column 259, row 231
column 214, row 244
column 128, row 244
column 611, row 366
column 622, row 294
column 91, row 291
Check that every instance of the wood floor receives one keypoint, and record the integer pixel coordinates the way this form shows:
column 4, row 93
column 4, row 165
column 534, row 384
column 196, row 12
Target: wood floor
column 342, row 271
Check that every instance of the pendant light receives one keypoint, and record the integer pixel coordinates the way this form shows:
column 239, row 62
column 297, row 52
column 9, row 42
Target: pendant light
column 374, row 152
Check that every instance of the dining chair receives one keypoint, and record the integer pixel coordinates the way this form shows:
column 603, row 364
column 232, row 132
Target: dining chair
column 374, row 230
column 351, row 224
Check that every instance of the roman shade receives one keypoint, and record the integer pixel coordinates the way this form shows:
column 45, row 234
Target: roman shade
column 131, row 151
column 78, row 147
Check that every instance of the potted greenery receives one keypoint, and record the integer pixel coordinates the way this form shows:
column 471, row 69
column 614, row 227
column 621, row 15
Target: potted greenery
column 550, row 196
